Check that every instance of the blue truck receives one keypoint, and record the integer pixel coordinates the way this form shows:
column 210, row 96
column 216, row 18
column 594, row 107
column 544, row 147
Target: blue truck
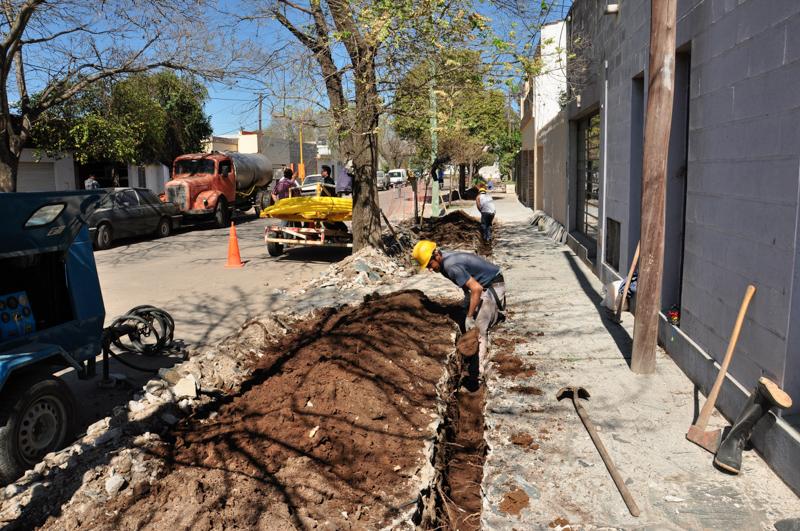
column 51, row 317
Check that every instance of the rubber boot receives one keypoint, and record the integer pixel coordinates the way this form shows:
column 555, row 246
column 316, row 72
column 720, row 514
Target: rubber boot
column 766, row 395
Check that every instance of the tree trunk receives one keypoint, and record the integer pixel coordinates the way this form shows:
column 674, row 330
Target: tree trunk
column 366, row 207
column 462, row 180
column 9, row 164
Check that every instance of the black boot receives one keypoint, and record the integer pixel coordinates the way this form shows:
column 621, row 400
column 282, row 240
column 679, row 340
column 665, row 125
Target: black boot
column 766, row 395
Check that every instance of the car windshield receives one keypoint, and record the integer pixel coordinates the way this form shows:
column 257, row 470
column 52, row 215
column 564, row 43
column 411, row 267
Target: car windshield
column 192, row 166
column 395, row 174
column 311, row 179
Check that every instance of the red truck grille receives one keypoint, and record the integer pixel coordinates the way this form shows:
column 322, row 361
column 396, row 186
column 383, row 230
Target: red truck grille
column 177, row 194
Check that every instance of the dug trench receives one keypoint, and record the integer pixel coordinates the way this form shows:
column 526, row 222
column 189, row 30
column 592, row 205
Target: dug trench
column 352, row 420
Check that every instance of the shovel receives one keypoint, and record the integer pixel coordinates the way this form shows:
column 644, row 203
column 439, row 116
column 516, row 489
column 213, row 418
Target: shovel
column 697, row 432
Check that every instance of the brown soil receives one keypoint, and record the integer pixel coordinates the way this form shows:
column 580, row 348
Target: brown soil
column 514, row 502
column 456, row 230
column 464, row 472
column 526, row 390
column 511, row 367
column 468, row 343
column 327, row 433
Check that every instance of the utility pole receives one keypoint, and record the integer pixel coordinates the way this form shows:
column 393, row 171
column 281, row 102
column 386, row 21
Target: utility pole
column 260, row 101
column 661, row 85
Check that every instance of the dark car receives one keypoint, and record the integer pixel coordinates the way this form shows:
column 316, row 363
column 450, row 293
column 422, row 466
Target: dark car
column 131, row 212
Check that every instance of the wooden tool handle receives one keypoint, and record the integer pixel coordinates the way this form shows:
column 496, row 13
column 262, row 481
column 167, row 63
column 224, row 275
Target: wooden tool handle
column 390, row 227
column 623, row 489
column 708, row 407
column 628, row 282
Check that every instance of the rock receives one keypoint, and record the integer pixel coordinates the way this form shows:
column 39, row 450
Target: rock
column 114, row 484
column 135, row 406
column 167, row 396
column 186, row 388
column 170, row 419
column 361, row 266
column 170, row 375
column 39, row 468
column 12, row 490
column 374, row 277
column 97, row 426
column 154, row 386
column 107, row 436
column 792, row 524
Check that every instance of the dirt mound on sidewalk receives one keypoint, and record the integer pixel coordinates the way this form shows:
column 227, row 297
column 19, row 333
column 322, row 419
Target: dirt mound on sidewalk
column 455, row 231
column 330, row 433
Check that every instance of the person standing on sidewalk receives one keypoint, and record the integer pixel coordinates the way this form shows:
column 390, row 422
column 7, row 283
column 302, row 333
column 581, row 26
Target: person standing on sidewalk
column 91, row 183
column 484, row 295
column 485, row 205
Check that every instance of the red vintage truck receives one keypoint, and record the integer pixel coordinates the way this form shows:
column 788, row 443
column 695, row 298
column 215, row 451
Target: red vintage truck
column 211, row 185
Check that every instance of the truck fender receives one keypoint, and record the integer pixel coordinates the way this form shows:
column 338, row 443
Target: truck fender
column 211, row 197
column 33, row 354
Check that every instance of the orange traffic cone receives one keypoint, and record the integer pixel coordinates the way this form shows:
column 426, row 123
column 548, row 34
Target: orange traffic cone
column 234, row 260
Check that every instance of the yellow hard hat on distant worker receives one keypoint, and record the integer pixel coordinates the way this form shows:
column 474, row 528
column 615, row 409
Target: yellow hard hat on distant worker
column 423, row 252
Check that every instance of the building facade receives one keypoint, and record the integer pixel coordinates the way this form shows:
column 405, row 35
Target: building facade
column 733, row 186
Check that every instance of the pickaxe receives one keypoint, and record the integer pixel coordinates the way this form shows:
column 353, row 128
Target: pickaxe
column 579, row 392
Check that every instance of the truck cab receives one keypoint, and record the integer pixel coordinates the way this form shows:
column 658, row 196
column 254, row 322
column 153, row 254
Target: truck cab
column 211, row 185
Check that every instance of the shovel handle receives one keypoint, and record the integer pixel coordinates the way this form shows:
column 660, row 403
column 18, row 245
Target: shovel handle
column 708, row 407
column 623, row 489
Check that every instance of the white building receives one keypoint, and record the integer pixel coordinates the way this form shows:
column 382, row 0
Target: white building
column 47, row 175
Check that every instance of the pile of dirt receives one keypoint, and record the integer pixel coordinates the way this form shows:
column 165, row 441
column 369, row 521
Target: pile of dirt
column 468, row 343
column 330, row 430
column 455, row 231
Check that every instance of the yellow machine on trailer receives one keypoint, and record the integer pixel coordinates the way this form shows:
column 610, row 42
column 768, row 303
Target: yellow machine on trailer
column 326, row 215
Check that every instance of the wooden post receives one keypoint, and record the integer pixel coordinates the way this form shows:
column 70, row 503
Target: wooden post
column 661, row 86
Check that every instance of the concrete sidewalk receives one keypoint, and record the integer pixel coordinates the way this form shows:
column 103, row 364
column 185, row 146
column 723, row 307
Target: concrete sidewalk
column 558, row 329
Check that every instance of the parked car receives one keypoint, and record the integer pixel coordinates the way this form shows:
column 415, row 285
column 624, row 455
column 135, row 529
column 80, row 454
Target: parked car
column 397, row 177
column 131, row 212
column 383, row 180
column 309, row 186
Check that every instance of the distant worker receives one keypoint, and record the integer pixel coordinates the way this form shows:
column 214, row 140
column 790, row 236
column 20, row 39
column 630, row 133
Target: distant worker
column 91, row 183
column 284, row 187
column 326, row 175
column 485, row 205
column 489, row 184
column 484, row 295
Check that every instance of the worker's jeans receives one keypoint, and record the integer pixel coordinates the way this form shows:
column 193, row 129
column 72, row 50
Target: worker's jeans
column 486, row 225
column 488, row 316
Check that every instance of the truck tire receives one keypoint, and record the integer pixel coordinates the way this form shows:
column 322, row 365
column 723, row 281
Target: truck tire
column 258, row 203
column 104, row 237
column 37, row 417
column 273, row 248
column 221, row 215
column 164, row 228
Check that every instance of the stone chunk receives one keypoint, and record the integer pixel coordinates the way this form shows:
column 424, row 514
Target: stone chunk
column 170, row 375
column 114, row 484
column 186, row 388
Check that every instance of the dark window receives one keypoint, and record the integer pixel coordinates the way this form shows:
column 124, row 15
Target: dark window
column 192, row 166
column 223, row 166
column 588, row 175
column 129, row 197
column 612, row 243
column 141, row 177
column 146, row 197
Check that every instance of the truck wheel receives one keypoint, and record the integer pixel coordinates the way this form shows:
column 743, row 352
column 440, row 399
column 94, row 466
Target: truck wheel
column 273, row 248
column 258, row 202
column 221, row 217
column 104, row 237
column 164, row 228
column 37, row 417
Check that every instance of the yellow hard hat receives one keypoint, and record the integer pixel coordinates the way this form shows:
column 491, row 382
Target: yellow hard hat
column 423, row 252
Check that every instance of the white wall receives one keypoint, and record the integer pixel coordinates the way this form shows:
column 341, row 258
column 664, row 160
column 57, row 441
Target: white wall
column 553, row 81
column 156, row 177
column 63, row 170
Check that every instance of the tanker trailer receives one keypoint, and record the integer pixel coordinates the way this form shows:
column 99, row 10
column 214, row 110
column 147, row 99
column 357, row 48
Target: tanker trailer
column 210, row 185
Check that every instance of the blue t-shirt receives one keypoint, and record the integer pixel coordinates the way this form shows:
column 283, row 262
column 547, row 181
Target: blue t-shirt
column 457, row 267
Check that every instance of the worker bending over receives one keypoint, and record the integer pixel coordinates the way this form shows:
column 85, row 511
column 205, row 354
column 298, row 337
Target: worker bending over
column 484, row 290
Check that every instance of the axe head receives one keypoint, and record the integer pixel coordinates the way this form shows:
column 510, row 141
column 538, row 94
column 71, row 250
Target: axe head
column 705, row 439
column 572, row 391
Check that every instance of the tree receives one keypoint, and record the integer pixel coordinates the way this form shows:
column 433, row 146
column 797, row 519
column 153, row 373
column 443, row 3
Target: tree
column 145, row 118
column 60, row 48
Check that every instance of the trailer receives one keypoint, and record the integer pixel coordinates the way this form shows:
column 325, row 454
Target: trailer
column 325, row 216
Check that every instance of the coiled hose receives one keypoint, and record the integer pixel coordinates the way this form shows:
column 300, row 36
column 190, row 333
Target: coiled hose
column 148, row 330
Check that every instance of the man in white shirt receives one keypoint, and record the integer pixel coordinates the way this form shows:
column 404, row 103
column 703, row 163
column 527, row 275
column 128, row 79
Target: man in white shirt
column 485, row 205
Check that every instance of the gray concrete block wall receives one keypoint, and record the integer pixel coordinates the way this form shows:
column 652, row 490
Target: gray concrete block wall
column 743, row 169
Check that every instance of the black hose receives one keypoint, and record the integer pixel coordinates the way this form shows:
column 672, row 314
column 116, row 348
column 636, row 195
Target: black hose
column 149, row 330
